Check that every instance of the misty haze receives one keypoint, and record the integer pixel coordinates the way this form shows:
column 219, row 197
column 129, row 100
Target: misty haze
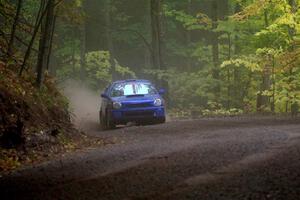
column 150, row 99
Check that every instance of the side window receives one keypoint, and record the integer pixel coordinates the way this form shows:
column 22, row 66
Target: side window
column 106, row 89
column 117, row 90
column 116, row 93
column 152, row 90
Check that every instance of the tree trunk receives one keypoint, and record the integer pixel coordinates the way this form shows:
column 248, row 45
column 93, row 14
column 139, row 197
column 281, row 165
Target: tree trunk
column 156, row 34
column 228, row 73
column 189, row 36
column 14, row 27
column 265, row 86
column 148, row 47
column 292, row 32
column 156, row 16
column 237, row 89
column 44, row 43
column 263, row 100
column 38, row 22
column 157, row 43
column 109, row 39
column 82, row 52
column 273, row 85
column 51, row 41
column 215, row 50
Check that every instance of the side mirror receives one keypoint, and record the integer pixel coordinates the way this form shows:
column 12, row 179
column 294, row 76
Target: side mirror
column 161, row 91
column 103, row 95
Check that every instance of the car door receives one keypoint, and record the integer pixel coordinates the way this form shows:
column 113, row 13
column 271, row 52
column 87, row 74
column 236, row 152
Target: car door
column 104, row 102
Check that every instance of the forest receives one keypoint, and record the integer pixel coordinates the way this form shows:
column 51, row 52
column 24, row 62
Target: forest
column 211, row 56
column 227, row 72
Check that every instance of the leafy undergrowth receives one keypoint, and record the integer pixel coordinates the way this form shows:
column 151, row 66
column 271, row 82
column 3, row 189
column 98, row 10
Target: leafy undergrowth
column 198, row 112
column 34, row 123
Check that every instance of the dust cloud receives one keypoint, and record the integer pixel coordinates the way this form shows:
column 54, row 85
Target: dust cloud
column 84, row 105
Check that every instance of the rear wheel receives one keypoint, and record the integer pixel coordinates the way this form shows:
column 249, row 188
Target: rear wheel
column 102, row 121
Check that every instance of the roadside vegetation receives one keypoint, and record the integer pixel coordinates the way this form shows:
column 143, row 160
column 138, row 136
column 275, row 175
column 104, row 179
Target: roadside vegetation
column 35, row 123
column 214, row 57
column 35, row 118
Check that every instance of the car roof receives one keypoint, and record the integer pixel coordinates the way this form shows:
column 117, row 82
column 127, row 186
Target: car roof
column 131, row 80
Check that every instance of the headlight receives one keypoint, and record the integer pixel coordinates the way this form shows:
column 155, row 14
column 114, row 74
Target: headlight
column 117, row 105
column 157, row 102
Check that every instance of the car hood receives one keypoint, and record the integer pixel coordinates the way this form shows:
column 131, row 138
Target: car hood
column 138, row 99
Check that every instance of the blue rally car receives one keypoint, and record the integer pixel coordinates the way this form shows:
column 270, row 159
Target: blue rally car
column 131, row 101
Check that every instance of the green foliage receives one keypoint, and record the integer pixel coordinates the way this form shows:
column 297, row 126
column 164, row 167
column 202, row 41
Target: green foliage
column 222, row 112
column 246, row 49
column 97, row 69
column 273, row 43
column 124, row 71
column 263, row 40
column 200, row 21
column 187, row 89
column 249, row 63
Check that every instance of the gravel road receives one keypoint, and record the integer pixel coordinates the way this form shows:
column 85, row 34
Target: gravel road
column 230, row 158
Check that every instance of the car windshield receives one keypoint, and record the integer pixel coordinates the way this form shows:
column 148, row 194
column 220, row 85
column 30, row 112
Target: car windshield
column 132, row 88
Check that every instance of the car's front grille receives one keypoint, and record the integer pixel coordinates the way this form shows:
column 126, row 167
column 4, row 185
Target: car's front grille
column 138, row 105
column 138, row 113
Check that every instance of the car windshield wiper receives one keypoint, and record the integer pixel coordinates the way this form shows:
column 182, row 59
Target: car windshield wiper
column 135, row 95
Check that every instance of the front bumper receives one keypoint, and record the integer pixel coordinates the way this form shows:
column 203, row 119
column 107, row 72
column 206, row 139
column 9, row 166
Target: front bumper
column 146, row 114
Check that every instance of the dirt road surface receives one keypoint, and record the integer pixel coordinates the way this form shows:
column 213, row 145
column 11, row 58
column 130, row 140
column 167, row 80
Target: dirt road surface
column 232, row 158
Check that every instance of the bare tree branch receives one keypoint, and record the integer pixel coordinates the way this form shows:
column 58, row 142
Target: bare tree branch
column 14, row 27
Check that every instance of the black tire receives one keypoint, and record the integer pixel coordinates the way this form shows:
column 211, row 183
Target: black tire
column 105, row 123
column 102, row 121
column 161, row 120
column 110, row 124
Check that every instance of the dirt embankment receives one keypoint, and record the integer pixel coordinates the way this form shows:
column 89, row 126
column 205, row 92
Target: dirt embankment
column 34, row 123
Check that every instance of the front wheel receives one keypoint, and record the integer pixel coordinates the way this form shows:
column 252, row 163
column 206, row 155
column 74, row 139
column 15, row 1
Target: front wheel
column 110, row 124
column 105, row 122
column 102, row 121
column 161, row 120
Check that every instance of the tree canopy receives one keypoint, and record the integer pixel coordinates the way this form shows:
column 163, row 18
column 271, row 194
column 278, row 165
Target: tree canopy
column 212, row 56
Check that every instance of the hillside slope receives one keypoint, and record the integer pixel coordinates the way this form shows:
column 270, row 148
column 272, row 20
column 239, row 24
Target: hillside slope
column 34, row 123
